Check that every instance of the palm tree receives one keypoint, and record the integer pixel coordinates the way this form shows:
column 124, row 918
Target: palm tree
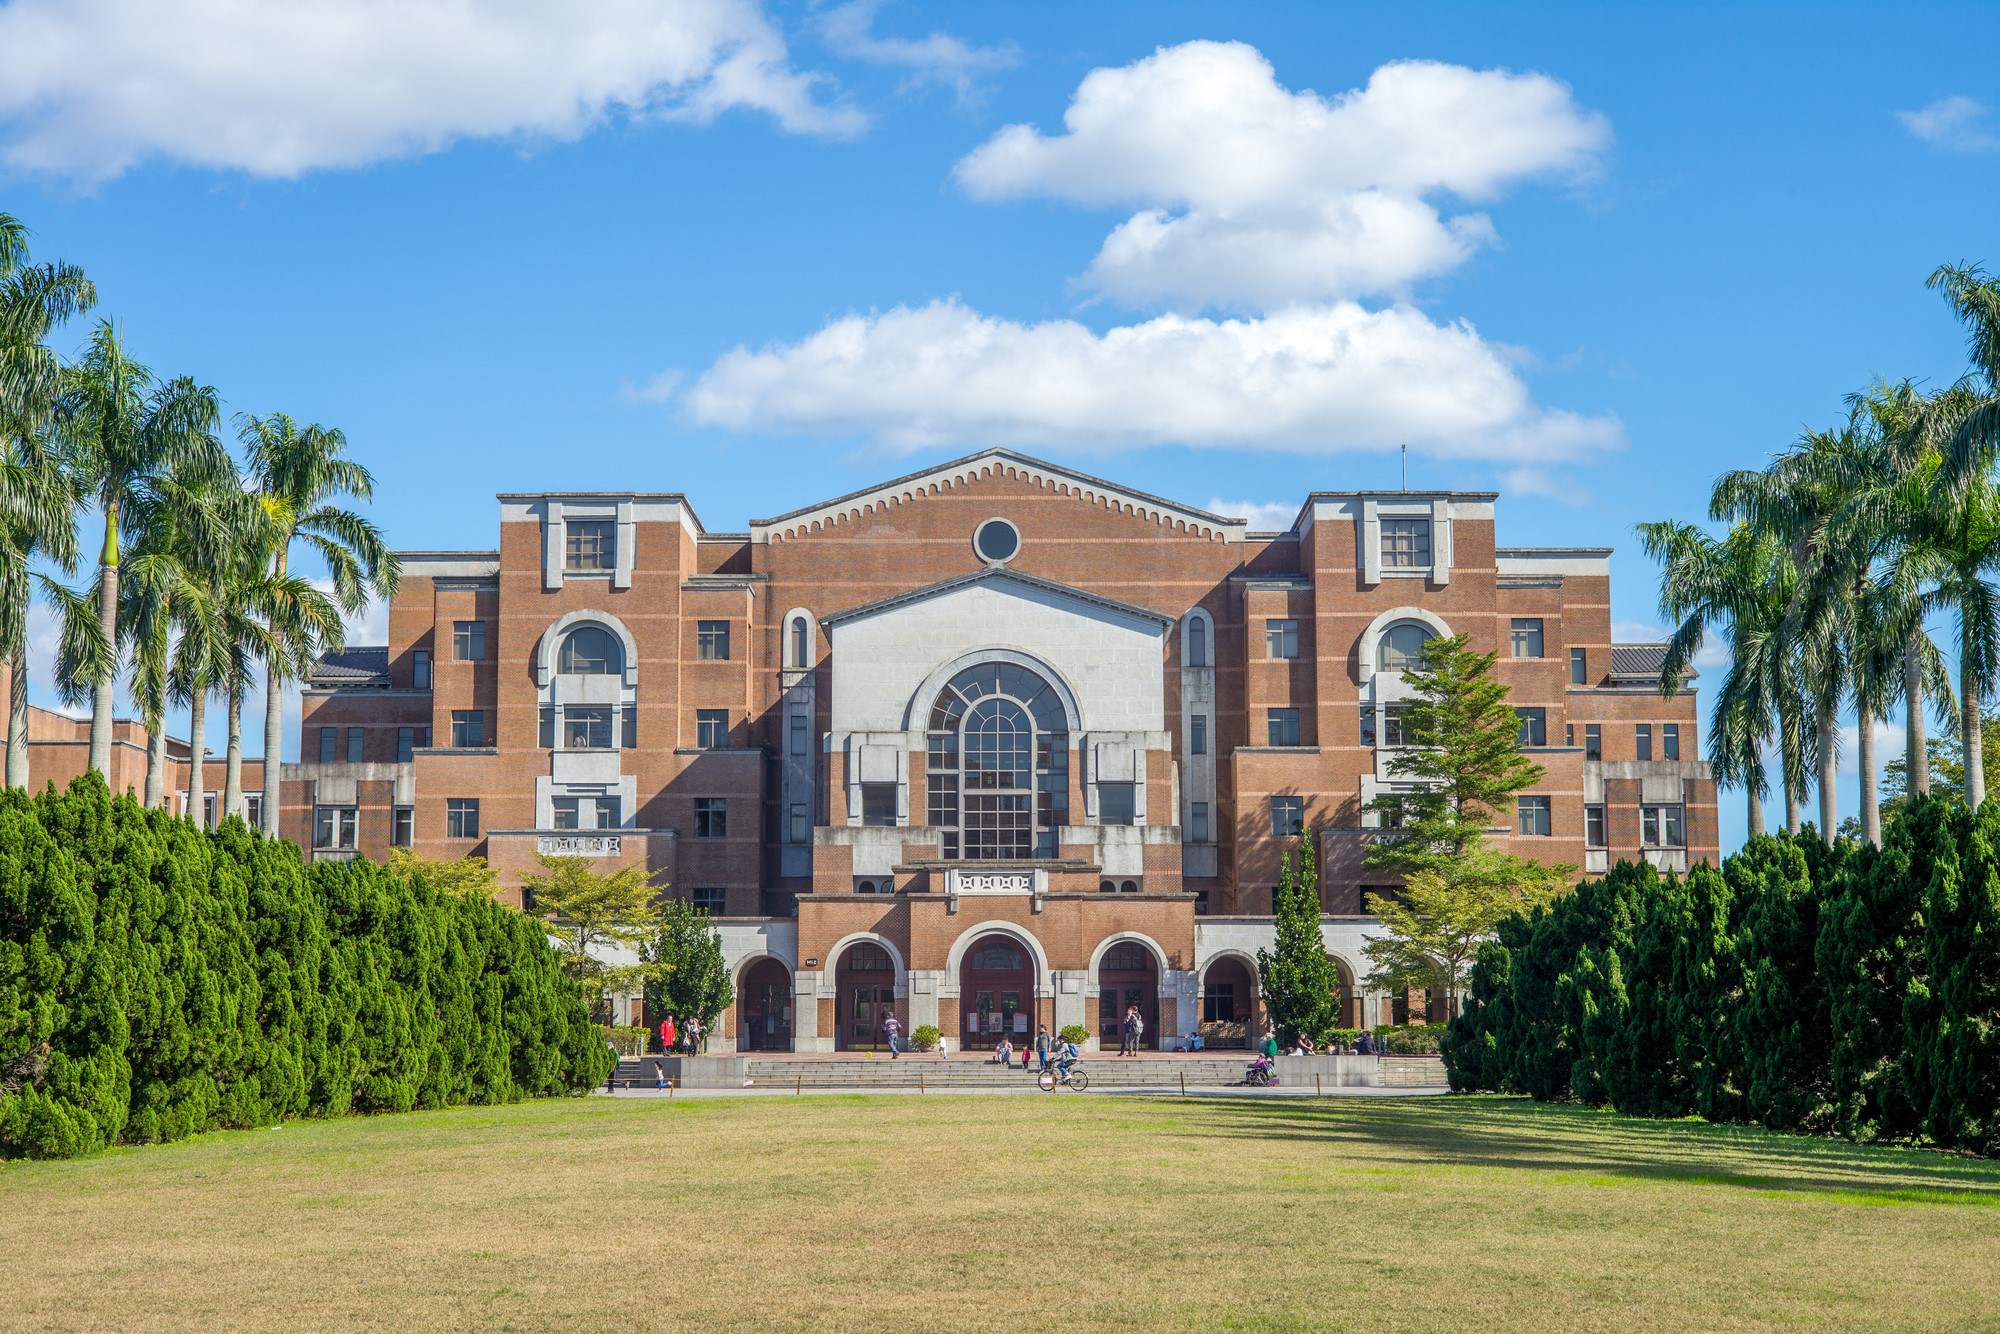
column 120, row 432
column 297, row 473
column 1971, row 439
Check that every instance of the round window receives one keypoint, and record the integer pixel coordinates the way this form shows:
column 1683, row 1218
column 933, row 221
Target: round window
column 997, row 541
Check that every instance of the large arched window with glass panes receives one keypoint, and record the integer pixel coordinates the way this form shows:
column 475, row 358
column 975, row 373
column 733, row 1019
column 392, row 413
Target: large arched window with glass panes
column 998, row 771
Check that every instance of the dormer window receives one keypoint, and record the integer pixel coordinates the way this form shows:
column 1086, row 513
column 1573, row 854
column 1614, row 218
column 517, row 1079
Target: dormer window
column 590, row 546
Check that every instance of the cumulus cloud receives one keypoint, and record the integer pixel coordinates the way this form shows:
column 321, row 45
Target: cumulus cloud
column 1274, row 516
column 1890, row 738
column 1956, row 124
column 1307, row 379
column 90, row 88
column 1712, row 656
column 1256, row 195
column 937, row 57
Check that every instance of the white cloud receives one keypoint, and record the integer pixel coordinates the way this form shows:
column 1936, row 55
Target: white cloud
column 1257, row 195
column 1956, row 124
column 934, row 58
column 90, row 88
column 1890, row 738
column 1274, row 516
column 1307, row 379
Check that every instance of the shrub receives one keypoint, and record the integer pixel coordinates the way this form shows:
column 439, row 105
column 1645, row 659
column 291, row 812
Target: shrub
column 924, row 1037
column 1413, row 1040
column 1076, row 1033
column 628, row 1041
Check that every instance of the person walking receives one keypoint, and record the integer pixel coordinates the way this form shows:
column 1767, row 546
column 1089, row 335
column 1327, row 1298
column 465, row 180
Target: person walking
column 1125, row 1041
column 1042, row 1045
column 668, row 1036
column 891, row 1031
column 1138, row 1030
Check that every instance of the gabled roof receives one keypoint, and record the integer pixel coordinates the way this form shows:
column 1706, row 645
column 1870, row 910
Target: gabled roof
column 1641, row 662
column 367, row 665
column 1000, row 462
column 1000, row 576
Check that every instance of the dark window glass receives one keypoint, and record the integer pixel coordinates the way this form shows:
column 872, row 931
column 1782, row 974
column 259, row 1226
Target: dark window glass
column 629, row 737
column 610, row 812
column 329, row 742
column 334, row 827
column 1198, row 735
column 548, row 730
column 801, row 642
column 354, row 743
column 1660, row 827
column 1406, row 544
column 1527, row 637
column 468, row 727
column 1642, row 741
column 1593, row 741
column 565, row 812
column 1534, row 727
column 1579, row 666
column 461, row 817
column 799, row 734
column 1367, row 724
column 711, row 728
column 878, row 804
column 1198, row 822
column 406, row 744
column 1670, row 741
column 589, row 545
column 709, row 901
column 1282, row 726
column 711, row 641
column 1197, row 642
column 586, row 726
column 1115, row 803
column 711, row 817
column 1593, row 826
column 1288, row 816
column 590, row 650
column 403, row 827
column 468, row 641
column 1402, row 646
column 1533, row 816
column 420, row 668
column 1281, row 639
column 997, row 540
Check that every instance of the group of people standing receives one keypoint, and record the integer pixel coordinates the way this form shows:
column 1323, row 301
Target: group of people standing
column 678, row 1039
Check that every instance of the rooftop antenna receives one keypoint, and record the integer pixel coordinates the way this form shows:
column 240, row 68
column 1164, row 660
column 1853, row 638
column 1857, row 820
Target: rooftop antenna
column 1406, row 466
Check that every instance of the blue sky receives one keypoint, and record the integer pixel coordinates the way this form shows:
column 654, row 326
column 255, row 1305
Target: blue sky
column 1590, row 256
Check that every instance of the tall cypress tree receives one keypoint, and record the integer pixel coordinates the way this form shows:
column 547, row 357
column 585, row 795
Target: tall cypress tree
column 1299, row 982
column 1783, row 1027
column 1962, row 952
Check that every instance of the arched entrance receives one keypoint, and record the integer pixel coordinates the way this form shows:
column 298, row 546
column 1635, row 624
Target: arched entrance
column 1228, row 994
column 996, row 992
column 764, row 1008
column 864, row 995
column 1352, row 1002
column 1127, row 977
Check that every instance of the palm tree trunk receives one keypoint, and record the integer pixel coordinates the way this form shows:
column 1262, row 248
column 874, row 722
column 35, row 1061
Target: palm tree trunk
column 1793, row 820
column 232, row 780
column 107, row 621
column 197, row 725
column 17, row 718
column 1871, row 800
column 274, row 727
column 1916, row 748
column 1829, row 805
column 1975, row 749
column 156, row 762
column 1756, row 805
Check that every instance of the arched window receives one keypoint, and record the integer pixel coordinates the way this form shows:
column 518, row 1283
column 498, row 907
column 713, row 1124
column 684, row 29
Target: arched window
column 1197, row 642
column 1127, row 956
column 1401, row 645
column 865, row 956
column 590, row 650
column 998, row 771
column 995, row 956
column 801, row 642
column 1128, row 886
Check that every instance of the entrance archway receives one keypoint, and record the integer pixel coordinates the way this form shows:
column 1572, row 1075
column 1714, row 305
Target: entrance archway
column 864, row 995
column 1127, row 977
column 996, row 992
column 764, row 1007
column 1228, row 994
column 1352, row 1002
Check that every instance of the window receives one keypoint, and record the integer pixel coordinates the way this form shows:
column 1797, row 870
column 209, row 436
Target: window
column 711, row 728
column 711, row 817
column 709, row 901
column 1569, row 734
column 468, row 641
column 586, row 727
column 996, row 541
column 468, row 727
column 1670, row 741
column 334, row 827
column 629, row 731
column 548, row 735
column 461, row 817
column 1534, row 727
column 329, row 740
column 1198, row 822
column 799, row 734
column 1283, row 726
column 1116, row 802
column 590, row 650
column 1402, row 646
column 354, row 741
column 1288, row 816
column 1281, row 639
column 610, row 812
column 402, row 826
column 1642, row 741
column 1197, row 642
column 1527, row 637
column 998, row 761
column 1532, row 816
column 406, row 744
column 564, row 812
column 1593, row 741
column 253, row 809
column 711, row 641
column 1367, row 724
column 801, row 642
column 1218, row 1003
column 1406, row 544
column 878, row 804
column 1392, row 726
column 1593, row 826
column 797, row 827
column 1579, row 666
column 590, row 546
column 1198, row 735
column 1660, row 827
column 420, row 668
column 208, row 812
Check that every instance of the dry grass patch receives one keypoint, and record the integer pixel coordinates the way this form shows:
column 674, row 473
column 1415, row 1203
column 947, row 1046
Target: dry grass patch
column 939, row 1212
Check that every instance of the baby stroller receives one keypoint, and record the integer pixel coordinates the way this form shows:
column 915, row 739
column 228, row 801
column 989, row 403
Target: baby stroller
column 1261, row 1072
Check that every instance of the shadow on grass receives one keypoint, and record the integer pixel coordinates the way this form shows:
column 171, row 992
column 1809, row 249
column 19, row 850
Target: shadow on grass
column 1579, row 1144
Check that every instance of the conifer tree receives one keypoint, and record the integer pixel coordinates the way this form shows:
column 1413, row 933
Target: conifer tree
column 1299, row 981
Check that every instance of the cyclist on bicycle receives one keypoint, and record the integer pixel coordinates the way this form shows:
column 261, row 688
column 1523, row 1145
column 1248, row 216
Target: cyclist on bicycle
column 1066, row 1056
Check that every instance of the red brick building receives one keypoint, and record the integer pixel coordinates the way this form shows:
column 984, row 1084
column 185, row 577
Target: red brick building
column 990, row 745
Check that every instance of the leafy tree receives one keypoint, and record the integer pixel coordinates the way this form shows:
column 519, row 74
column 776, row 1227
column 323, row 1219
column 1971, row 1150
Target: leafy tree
column 1434, row 925
column 692, row 981
column 447, row 875
column 1300, row 983
column 595, row 914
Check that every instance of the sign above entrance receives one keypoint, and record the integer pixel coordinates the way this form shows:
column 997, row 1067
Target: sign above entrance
column 579, row 845
column 958, row 881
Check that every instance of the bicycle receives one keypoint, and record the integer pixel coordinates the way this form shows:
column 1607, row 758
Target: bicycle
column 1050, row 1080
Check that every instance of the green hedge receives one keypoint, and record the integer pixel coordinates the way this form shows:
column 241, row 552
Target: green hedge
column 157, row 980
column 1802, row 986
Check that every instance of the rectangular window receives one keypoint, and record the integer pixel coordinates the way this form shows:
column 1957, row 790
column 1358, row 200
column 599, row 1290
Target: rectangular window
column 711, row 817
column 1579, row 666
column 334, row 827
column 1642, row 741
column 1527, row 637
column 1282, row 726
column 709, row 901
column 253, row 810
column 1281, row 639
column 1198, row 822
column 461, row 817
column 1218, row 1003
column 1670, row 741
column 589, row 545
column 878, row 804
column 1406, row 544
column 586, row 727
column 799, row 734
column 468, row 641
column 1115, row 803
column 402, row 826
column 797, row 828
column 1288, row 816
column 1534, row 727
column 468, row 727
column 406, row 744
column 1197, row 642
column 208, row 812
column 1532, row 816
column 1198, row 735
column 548, row 732
column 1367, row 724
column 1392, row 726
column 1660, row 827
column 564, row 812
column 1593, row 741
column 1593, row 826
column 711, row 641
column 711, row 728
column 420, row 668
column 629, row 731
column 329, row 742
column 610, row 812
column 354, row 745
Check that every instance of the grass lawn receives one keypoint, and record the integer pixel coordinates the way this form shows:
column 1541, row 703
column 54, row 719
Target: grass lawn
column 939, row 1212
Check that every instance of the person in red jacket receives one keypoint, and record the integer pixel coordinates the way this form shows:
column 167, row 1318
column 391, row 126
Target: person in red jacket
column 667, row 1034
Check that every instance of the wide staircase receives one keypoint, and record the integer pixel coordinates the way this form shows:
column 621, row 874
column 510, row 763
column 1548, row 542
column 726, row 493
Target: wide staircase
column 1106, row 1070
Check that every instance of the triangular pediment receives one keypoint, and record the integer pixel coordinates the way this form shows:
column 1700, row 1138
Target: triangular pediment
column 1046, row 591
